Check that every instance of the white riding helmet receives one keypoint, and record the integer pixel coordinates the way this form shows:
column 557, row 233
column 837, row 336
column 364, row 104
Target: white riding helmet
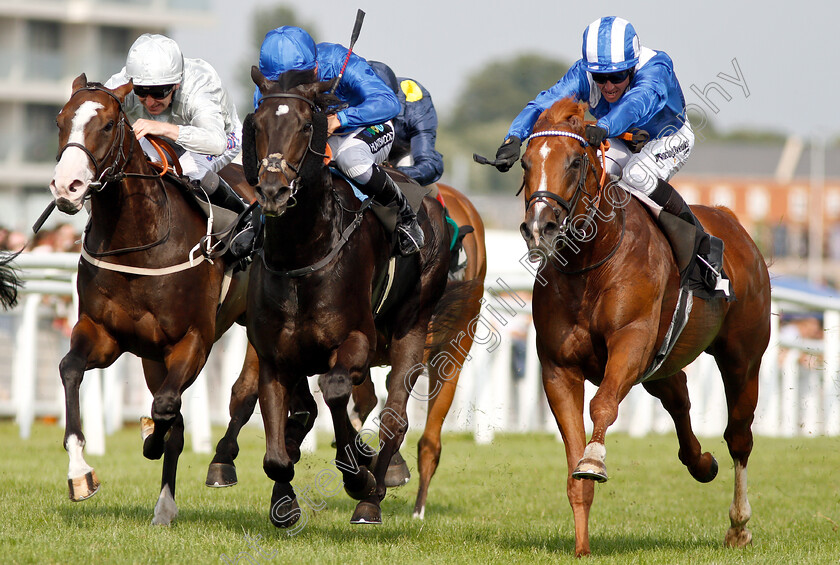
column 154, row 60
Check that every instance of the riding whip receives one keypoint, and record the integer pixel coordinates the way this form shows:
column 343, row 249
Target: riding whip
column 43, row 217
column 357, row 29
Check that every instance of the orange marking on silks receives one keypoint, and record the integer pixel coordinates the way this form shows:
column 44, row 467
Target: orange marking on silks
column 328, row 154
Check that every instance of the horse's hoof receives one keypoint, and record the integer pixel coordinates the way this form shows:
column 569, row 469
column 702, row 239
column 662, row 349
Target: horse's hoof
column 82, row 488
column 710, row 474
column 738, row 537
column 367, row 513
column 221, row 475
column 367, row 489
column 397, row 474
column 285, row 511
column 590, row 469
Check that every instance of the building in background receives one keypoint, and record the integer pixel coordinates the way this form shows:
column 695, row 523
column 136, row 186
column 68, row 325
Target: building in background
column 44, row 45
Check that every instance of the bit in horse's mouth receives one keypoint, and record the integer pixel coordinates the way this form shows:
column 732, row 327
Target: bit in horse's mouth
column 68, row 206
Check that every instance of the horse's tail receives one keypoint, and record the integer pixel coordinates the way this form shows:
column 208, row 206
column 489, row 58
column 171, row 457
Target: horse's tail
column 10, row 282
column 456, row 309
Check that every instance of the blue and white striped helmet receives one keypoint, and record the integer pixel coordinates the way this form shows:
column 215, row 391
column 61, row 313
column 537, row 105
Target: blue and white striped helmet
column 610, row 44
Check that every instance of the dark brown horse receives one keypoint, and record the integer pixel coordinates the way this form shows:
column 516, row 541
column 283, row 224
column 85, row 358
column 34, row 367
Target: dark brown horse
column 311, row 291
column 443, row 378
column 139, row 290
column 603, row 302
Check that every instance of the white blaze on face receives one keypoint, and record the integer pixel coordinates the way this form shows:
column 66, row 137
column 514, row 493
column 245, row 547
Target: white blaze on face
column 282, row 109
column 73, row 172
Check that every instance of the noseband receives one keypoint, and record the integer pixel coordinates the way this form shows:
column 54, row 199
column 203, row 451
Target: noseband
column 110, row 173
column 568, row 205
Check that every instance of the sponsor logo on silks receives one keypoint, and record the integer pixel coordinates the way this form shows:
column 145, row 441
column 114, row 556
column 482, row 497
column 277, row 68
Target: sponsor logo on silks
column 381, row 142
column 671, row 153
column 376, row 129
column 412, row 90
column 232, row 141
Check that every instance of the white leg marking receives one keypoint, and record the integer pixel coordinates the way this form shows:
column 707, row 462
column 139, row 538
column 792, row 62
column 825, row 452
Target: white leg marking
column 165, row 510
column 740, row 511
column 420, row 515
column 78, row 466
column 595, row 451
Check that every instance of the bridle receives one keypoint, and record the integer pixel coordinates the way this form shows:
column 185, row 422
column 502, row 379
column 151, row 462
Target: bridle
column 546, row 197
column 114, row 172
column 277, row 163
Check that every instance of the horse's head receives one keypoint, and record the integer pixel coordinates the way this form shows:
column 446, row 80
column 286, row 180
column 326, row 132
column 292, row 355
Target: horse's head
column 92, row 131
column 284, row 140
column 561, row 177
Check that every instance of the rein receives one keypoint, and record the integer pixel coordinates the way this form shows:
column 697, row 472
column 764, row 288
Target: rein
column 580, row 191
column 115, row 173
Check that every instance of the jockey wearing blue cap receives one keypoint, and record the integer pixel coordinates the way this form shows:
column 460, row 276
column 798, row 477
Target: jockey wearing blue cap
column 361, row 135
column 627, row 87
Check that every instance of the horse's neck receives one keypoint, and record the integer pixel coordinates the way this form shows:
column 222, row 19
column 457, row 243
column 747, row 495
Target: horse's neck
column 306, row 232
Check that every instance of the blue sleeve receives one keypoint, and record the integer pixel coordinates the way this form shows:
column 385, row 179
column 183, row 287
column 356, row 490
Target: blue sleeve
column 371, row 100
column 646, row 97
column 421, row 126
column 574, row 83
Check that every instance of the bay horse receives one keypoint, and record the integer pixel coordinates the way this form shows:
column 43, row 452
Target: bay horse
column 140, row 291
column 310, row 293
column 602, row 304
column 443, row 378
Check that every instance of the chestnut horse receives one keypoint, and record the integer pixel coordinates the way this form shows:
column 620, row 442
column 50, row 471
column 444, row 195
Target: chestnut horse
column 139, row 289
column 442, row 378
column 310, row 293
column 603, row 301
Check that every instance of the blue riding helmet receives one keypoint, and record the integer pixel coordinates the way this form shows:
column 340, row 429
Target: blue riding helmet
column 287, row 48
column 610, row 44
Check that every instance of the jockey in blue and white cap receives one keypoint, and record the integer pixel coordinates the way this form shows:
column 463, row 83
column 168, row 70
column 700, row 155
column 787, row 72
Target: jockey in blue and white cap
column 361, row 135
column 628, row 88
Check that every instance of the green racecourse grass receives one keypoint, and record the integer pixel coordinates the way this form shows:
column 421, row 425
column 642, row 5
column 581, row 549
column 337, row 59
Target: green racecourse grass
column 499, row 503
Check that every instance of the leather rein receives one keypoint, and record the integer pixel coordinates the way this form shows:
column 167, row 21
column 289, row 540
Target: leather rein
column 295, row 184
column 114, row 173
column 546, row 196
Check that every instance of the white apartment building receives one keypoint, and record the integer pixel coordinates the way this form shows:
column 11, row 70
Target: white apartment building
column 44, row 45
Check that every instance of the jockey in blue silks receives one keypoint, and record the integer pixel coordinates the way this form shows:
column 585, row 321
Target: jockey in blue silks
column 361, row 135
column 627, row 87
column 413, row 152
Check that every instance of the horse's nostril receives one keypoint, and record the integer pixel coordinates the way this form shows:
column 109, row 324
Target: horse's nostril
column 551, row 227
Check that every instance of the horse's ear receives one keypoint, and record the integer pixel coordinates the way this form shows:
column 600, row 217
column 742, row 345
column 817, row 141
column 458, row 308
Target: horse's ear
column 259, row 79
column 122, row 91
column 80, row 82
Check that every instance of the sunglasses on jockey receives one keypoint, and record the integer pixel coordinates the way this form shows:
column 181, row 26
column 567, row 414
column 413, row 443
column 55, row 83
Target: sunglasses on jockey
column 615, row 78
column 156, row 92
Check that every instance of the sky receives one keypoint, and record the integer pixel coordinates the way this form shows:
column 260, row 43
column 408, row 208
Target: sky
column 773, row 68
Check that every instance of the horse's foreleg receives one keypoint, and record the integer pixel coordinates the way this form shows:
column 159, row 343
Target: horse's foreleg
column 349, row 365
column 166, row 510
column 243, row 399
column 673, row 394
column 364, row 401
column 182, row 366
column 81, row 477
column 564, row 391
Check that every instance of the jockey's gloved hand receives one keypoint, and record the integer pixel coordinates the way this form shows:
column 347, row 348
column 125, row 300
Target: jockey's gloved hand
column 595, row 135
column 508, row 153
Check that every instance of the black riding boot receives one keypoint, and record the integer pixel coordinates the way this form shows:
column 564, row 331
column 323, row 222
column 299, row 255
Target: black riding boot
column 221, row 194
column 385, row 191
column 707, row 247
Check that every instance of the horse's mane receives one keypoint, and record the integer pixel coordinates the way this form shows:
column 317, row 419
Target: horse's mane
column 567, row 114
column 291, row 79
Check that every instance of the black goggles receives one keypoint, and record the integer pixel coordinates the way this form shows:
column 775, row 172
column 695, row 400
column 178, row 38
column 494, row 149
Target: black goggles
column 156, row 92
column 615, row 78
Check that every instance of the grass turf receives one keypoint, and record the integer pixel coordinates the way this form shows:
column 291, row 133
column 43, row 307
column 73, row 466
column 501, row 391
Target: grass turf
column 499, row 503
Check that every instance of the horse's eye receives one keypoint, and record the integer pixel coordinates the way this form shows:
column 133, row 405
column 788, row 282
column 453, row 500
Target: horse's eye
column 575, row 164
column 108, row 127
column 307, row 126
column 526, row 164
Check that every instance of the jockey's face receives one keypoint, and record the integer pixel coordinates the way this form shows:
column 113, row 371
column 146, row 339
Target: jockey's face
column 613, row 91
column 156, row 106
